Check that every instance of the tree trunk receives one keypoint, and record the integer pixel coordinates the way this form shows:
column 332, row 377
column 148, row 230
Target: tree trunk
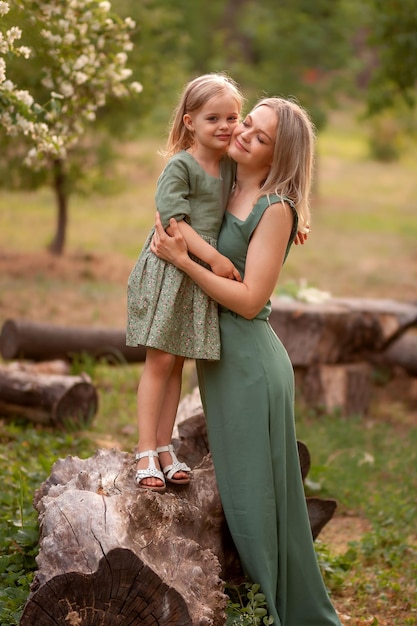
column 61, row 194
column 48, row 399
column 36, row 341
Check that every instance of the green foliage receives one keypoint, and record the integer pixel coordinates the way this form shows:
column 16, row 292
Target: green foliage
column 392, row 35
column 274, row 48
column 247, row 611
column 26, row 457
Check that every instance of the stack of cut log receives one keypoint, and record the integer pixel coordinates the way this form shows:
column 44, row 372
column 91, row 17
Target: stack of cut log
column 333, row 346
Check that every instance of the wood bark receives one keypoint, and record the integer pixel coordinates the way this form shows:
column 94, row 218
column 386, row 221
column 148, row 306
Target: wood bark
column 340, row 330
column 401, row 353
column 111, row 553
column 345, row 388
column 39, row 342
column 48, row 399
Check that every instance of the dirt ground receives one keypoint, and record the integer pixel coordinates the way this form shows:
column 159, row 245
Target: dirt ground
column 90, row 290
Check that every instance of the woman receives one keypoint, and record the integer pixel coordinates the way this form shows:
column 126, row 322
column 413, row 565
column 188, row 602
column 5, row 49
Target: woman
column 248, row 395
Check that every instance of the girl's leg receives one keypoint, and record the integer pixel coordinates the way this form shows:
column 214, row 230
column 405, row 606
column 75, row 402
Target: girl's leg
column 168, row 414
column 152, row 390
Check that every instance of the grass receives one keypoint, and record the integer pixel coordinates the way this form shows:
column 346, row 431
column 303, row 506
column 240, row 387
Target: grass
column 362, row 244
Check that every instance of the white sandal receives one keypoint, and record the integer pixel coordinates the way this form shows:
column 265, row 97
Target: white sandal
column 176, row 466
column 150, row 472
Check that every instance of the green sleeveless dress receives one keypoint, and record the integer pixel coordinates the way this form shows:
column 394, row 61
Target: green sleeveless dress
column 248, row 397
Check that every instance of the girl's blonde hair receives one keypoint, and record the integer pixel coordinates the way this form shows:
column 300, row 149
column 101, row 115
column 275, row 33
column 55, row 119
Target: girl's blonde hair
column 196, row 93
column 292, row 165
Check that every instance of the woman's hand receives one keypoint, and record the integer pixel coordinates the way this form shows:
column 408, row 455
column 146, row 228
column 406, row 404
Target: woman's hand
column 170, row 248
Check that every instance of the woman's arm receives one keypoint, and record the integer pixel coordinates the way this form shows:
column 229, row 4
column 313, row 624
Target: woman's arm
column 263, row 264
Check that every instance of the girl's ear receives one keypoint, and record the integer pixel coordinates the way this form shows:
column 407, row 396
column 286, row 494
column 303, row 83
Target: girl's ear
column 188, row 122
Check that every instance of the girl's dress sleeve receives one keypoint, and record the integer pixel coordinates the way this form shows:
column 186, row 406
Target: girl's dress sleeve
column 172, row 192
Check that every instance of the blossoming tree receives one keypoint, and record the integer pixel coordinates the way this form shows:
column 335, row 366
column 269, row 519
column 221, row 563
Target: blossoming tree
column 84, row 47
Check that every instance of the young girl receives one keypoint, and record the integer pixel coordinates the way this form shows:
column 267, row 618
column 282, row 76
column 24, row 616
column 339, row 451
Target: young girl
column 167, row 312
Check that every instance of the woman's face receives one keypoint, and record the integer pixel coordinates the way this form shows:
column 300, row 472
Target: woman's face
column 253, row 140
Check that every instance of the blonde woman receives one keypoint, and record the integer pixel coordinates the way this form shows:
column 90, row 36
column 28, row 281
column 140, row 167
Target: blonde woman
column 248, row 395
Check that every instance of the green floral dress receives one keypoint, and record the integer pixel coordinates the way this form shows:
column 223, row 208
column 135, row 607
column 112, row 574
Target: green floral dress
column 166, row 309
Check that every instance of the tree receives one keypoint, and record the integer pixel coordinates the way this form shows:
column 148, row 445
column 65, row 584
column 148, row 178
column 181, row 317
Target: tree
column 80, row 47
column 392, row 29
column 292, row 48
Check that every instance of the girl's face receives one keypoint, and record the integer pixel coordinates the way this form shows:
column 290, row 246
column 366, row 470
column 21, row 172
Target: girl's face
column 253, row 140
column 213, row 123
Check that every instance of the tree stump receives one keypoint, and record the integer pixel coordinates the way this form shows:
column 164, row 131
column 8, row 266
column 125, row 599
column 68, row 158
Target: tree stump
column 335, row 387
column 111, row 553
column 48, row 399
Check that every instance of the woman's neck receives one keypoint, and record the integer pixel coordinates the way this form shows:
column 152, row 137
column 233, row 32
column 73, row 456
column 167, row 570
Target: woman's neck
column 248, row 180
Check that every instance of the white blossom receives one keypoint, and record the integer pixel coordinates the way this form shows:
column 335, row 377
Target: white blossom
column 130, row 23
column 69, row 39
column 24, row 51
column 66, row 89
column 79, row 77
column 24, row 96
column 136, row 87
column 4, row 8
column 12, row 34
column 81, row 62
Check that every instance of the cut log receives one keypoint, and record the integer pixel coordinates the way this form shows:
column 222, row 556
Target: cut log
column 344, row 388
column 401, row 353
column 111, row 553
column 40, row 342
column 340, row 330
column 48, row 399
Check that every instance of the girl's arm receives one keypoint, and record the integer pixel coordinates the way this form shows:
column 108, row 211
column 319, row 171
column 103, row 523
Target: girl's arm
column 263, row 263
column 219, row 264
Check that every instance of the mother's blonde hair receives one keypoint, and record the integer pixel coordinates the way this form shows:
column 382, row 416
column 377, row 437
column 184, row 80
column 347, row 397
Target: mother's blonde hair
column 292, row 165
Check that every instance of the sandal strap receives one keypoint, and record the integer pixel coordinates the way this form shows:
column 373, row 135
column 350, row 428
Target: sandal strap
column 151, row 471
column 176, row 465
column 149, row 453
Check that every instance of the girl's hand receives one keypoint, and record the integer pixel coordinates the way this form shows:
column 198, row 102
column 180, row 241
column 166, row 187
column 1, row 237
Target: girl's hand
column 301, row 237
column 222, row 266
column 170, row 248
